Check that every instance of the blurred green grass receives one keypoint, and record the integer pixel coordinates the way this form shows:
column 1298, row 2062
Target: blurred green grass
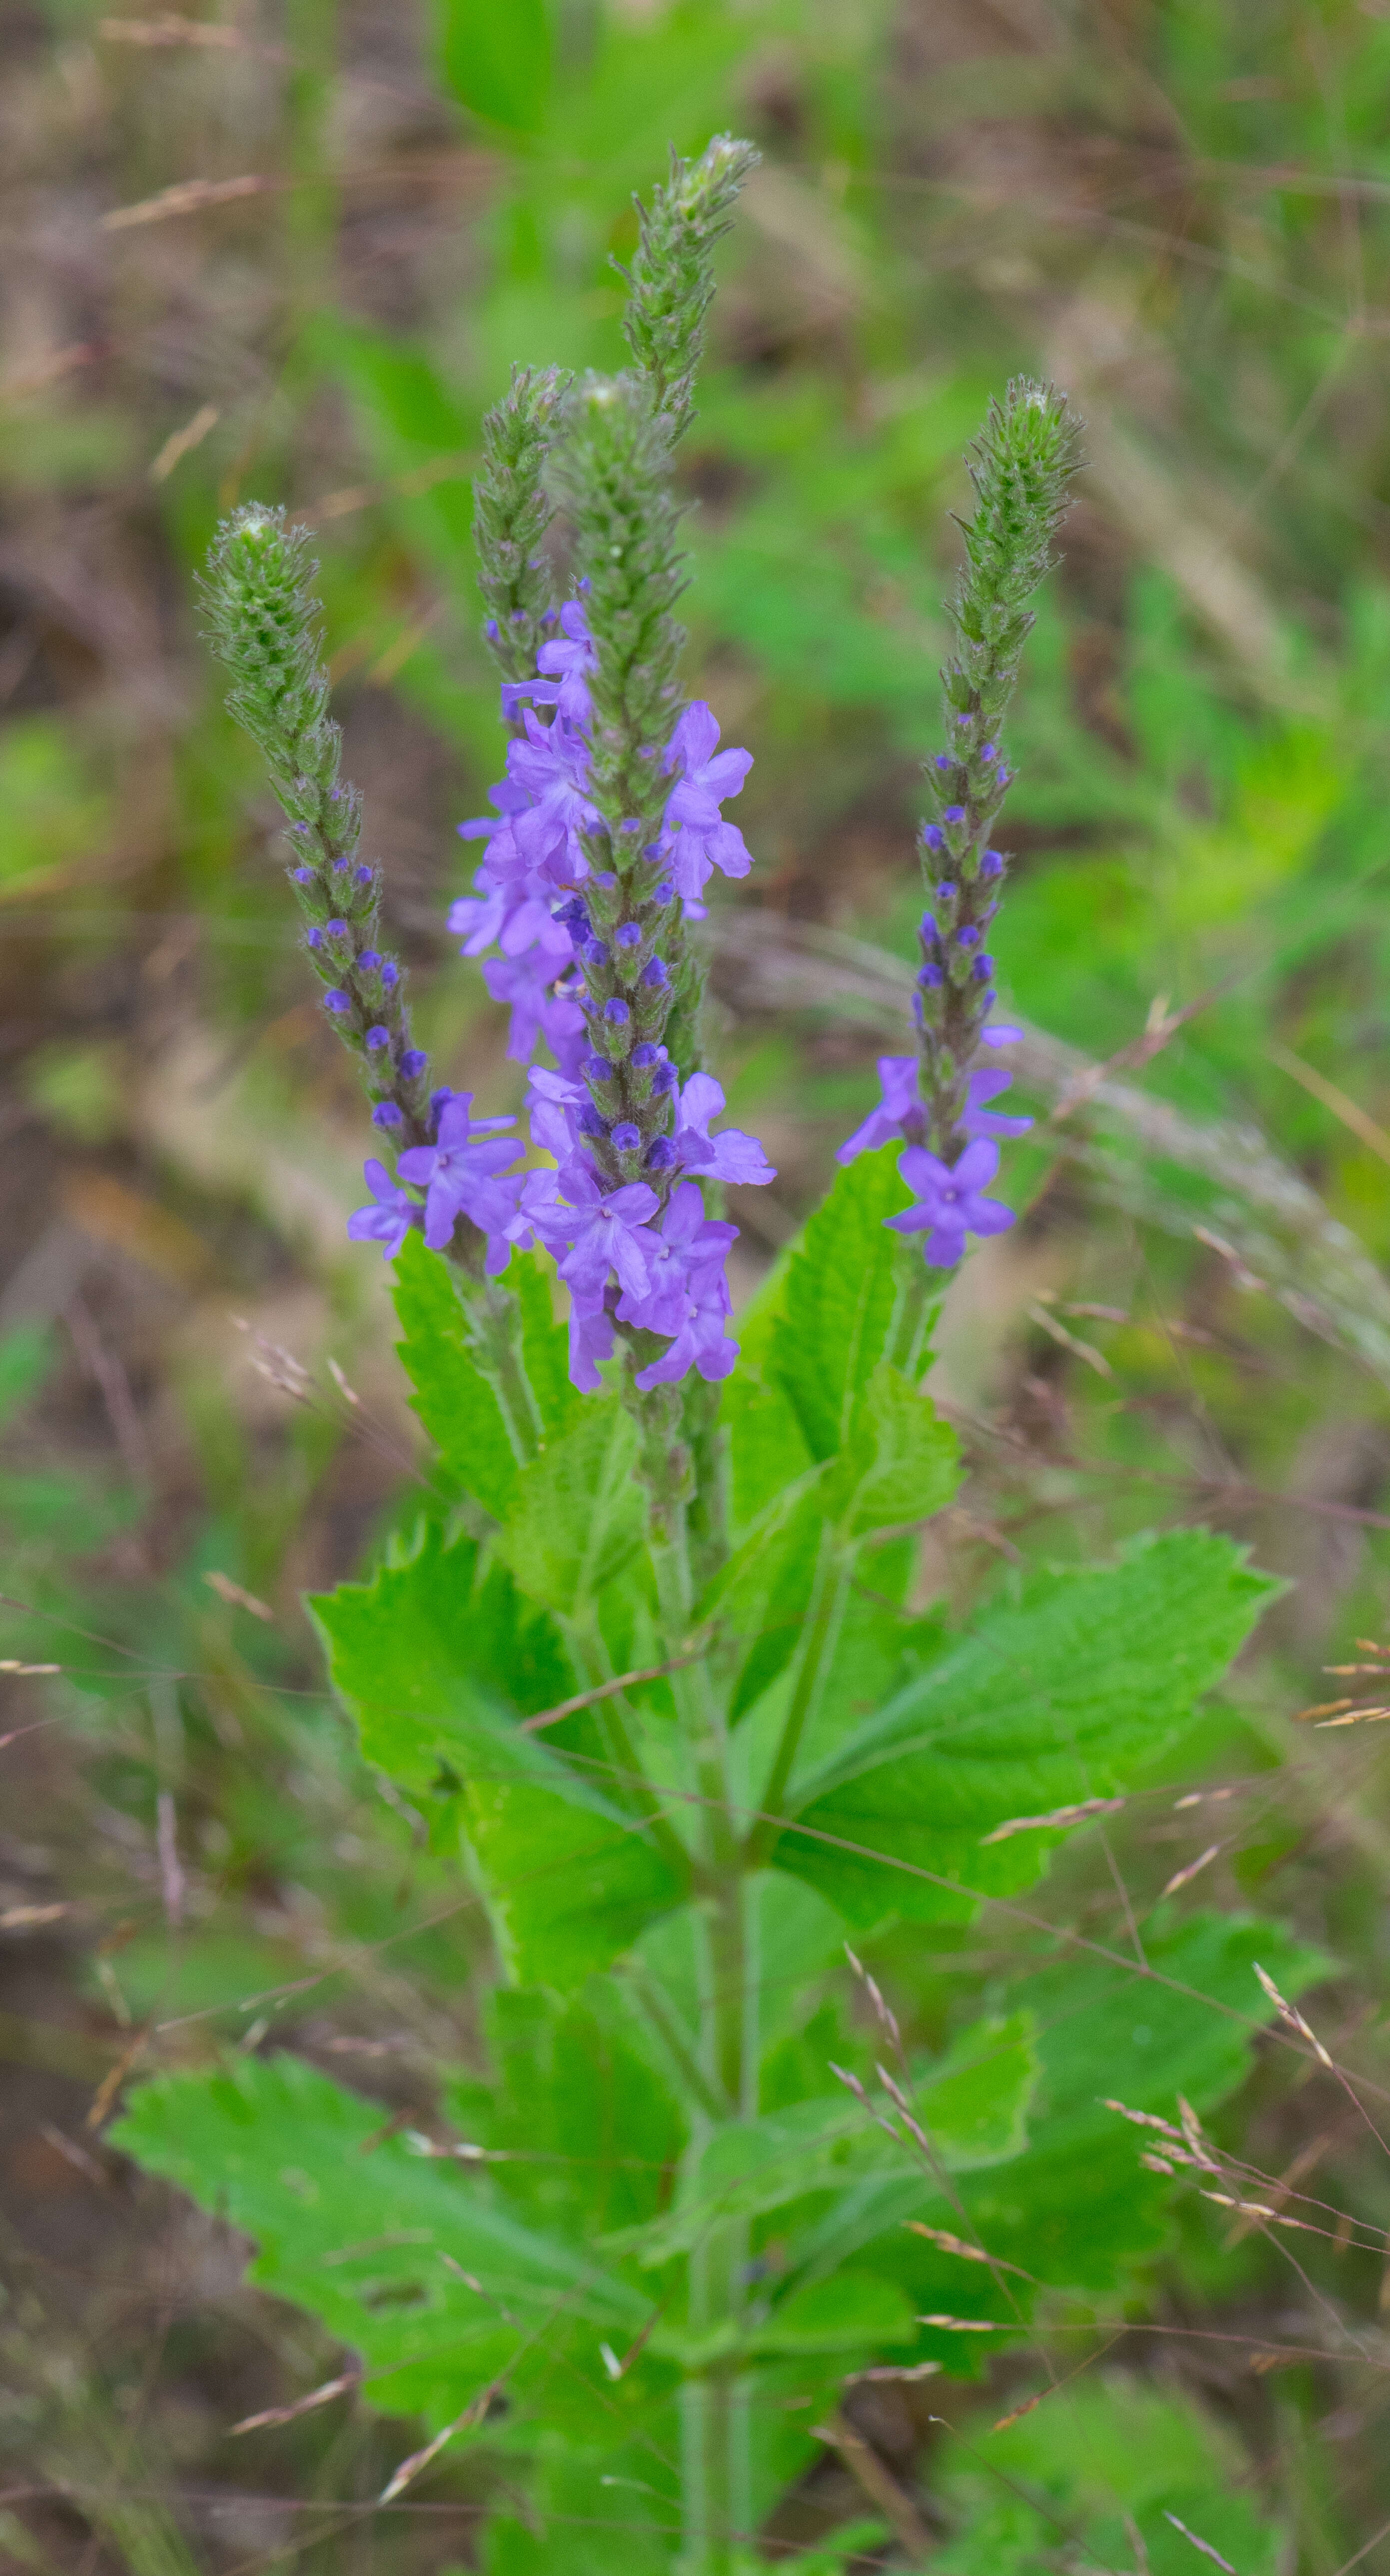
column 1180, row 208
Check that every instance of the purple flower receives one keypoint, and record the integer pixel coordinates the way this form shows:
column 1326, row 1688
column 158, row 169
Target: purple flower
column 509, row 799
column 953, row 814
column 730, row 1157
column 690, row 1253
column 555, row 1107
column 387, row 1114
column 390, row 1221
column 605, row 1232
column 460, row 1172
column 700, row 1341
column 512, row 909
column 551, row 762
column 566, row 663
column 899, row 1113
column 591, row 1340
column 976, row 1120
column 703, row 840
column 992, row 864
column 538, row 1010
column 950, row 1201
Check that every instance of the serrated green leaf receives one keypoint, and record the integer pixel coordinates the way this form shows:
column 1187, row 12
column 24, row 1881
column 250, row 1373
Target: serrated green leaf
column 496, row 59
column 1058, row 1698
column 545, row 1345
column 452, row 1397
column 352, row 2225
column 1078, row 2210
column 900, row 1462
column 1109, row 2466
column 436, row 1657
column 1107, row 2030
column 846, row 1304
column 857, row 2311
column 759, row 1598
column 567, row 1887
column 766, row 1447
column 577, row 1513
column 591, row 2128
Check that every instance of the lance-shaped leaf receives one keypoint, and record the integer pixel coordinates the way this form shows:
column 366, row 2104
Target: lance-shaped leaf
column 846, row 1303
column 1052, row 1700
column 452, row 1397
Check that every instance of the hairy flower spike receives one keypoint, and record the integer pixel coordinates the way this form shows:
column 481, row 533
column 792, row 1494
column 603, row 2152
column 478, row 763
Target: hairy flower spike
column 611, row 810
column 264, row 623
column 511, row 512
column 672, row 274
column 1020, row 466
column 613, row 474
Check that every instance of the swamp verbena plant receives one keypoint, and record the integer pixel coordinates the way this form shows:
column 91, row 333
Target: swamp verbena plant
column 658, row 1674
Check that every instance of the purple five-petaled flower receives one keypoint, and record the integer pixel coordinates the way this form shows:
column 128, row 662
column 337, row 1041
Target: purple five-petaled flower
column 733, row 1156
column 901, row 1111
column 565, row 664
column 688, row 1252
column 976, row 1119
column 702, row 840
column 461, row 1175
column 527, row 985
column 390, row 1220
column 605, row 1232
column 949, row 1200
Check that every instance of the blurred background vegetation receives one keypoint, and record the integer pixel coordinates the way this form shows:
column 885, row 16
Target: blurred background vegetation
column 289, row 251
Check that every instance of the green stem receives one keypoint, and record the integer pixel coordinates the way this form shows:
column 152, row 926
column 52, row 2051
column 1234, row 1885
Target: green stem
column 591, row 1660
column 495, row 1331
column 715, row 2415
column 715, row 2409
column 706, row 2101
column 829, row 1594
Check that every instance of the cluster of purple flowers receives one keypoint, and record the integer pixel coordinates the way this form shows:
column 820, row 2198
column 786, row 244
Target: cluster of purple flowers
column 949, row 1201
column 578, row 957
column 629, row 1231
